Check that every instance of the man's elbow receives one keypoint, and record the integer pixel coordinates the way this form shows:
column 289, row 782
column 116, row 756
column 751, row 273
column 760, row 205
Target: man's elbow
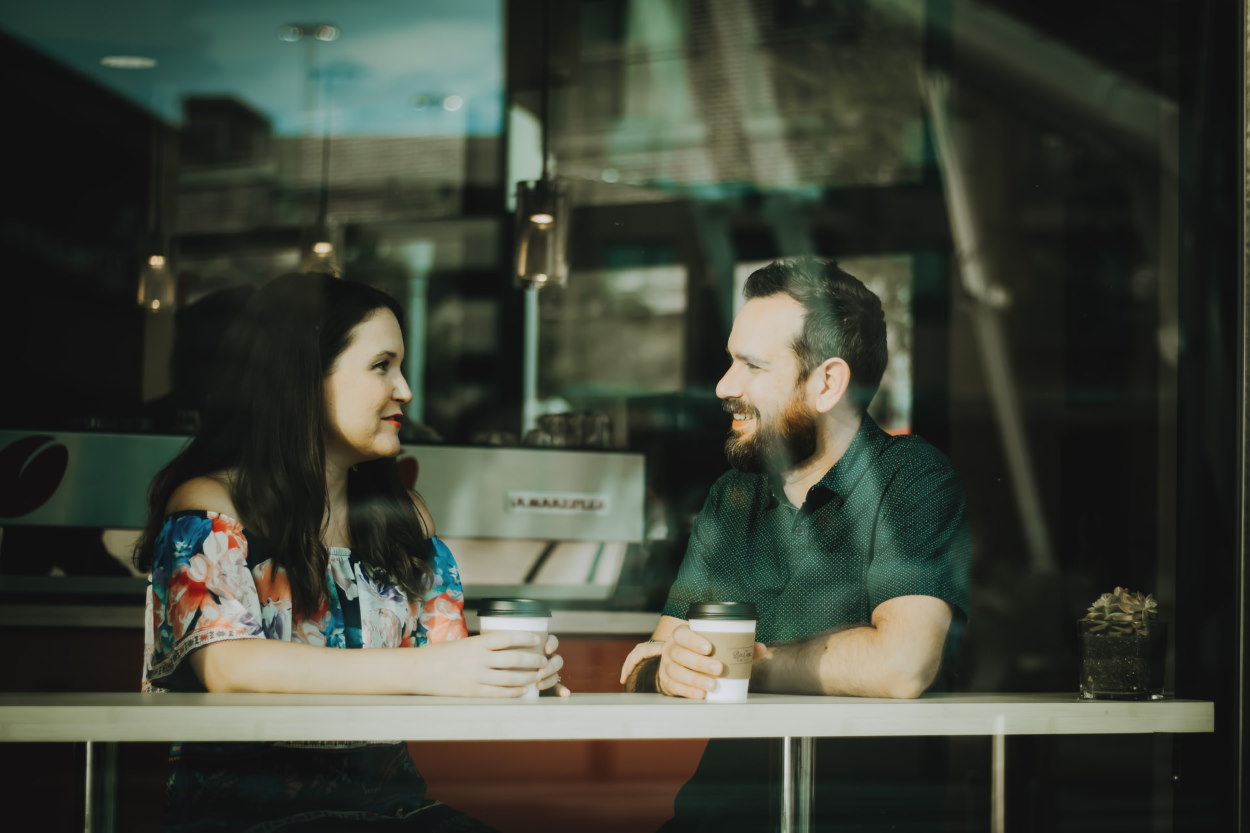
column 907, row 687
column 895, row 682
column 910, row 681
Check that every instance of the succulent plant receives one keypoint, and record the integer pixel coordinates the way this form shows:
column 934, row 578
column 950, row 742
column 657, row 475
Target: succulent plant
column 1121, row 613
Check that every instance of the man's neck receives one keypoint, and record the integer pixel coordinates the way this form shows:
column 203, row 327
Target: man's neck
column 836, row 435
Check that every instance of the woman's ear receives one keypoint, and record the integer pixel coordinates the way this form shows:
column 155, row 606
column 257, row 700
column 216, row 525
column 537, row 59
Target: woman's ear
column 830, row 381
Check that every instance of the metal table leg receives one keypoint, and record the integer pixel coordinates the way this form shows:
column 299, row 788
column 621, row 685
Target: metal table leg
column 796, row 784
column 998, row 782
column 88, row 789
column 99, row 787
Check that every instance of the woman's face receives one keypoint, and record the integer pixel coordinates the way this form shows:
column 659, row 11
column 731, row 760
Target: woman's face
column 365, row 392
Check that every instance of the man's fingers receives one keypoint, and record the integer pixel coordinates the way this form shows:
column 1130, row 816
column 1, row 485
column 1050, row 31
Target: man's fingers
column 689, row 639
column 686, row 658
column 682, row 682
column 686, row 673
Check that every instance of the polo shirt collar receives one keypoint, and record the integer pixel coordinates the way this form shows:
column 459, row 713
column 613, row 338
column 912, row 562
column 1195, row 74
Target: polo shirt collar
column 842, row 475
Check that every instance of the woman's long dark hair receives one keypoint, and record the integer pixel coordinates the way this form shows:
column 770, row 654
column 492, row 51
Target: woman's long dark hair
column 264, row 421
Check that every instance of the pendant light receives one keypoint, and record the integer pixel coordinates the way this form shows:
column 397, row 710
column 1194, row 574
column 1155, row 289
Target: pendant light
column 542, row 206
column 318, row 253
column 157, row 286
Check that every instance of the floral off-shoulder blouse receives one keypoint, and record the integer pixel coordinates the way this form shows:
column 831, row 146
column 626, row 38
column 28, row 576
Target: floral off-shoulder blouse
column 213, row 581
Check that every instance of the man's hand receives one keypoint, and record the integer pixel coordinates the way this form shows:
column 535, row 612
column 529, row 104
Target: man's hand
column 676, row 661
column 687, row 668
column 637, row 658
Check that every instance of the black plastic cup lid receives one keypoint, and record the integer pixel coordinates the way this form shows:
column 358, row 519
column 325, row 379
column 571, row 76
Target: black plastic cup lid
column 740, row 611
column 512, row 607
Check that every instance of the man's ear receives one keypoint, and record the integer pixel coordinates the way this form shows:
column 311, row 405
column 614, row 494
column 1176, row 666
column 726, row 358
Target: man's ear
column 830, row 382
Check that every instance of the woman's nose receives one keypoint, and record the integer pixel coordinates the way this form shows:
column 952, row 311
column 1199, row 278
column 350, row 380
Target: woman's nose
column 402, row 392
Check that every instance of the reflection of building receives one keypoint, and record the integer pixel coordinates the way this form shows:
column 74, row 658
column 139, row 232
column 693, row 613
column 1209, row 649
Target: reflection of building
column 243, row 189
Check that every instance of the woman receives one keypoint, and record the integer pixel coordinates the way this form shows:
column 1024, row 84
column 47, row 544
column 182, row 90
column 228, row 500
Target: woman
column 282, row 534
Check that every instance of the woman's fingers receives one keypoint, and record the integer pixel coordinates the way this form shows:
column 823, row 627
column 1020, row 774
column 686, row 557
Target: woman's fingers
column 499, row 640
column 511, row 662
column 550, row 673
column 507, row 678
column 515, row 659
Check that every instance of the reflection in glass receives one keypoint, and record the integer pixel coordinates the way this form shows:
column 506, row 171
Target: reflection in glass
column 541, row 234
column 157, row 285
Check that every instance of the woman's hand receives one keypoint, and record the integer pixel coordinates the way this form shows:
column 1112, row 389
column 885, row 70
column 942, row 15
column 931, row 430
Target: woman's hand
column 549, row 682
column 496, row 664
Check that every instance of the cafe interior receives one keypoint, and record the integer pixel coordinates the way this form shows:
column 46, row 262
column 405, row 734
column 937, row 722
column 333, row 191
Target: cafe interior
column 566, row 198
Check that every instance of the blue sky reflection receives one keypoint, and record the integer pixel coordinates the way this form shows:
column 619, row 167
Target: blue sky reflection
column 386, row 75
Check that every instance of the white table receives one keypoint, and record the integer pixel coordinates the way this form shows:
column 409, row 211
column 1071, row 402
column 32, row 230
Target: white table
column 797, row 720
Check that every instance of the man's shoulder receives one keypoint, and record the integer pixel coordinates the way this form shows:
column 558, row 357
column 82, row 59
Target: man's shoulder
column 913, row 457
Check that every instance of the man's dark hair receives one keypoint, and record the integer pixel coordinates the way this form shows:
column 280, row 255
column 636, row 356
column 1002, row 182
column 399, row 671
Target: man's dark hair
column 844, row 319
column 264, row 420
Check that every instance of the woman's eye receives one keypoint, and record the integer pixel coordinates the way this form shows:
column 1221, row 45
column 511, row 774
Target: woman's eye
column 383, row 365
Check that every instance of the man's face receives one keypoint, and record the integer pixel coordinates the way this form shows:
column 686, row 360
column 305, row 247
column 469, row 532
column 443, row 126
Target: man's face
column 774, row 424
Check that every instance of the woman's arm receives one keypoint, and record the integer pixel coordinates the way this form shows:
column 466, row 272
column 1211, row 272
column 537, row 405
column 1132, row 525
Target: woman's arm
column 499, row 664
column 495, row 665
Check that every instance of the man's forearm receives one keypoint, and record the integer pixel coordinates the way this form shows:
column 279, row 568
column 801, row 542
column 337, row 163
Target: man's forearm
column 854, row 662
column 897, row 655
column 802, row 667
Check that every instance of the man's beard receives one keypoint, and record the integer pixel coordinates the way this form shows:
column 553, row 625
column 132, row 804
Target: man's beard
column 779, row 446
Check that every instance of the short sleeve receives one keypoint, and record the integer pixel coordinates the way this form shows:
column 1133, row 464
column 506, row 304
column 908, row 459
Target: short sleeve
column 696, row 575
column 922, row 544
column 441, row 618
column 200, row 591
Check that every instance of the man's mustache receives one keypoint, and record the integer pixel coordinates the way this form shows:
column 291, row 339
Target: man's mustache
column 738, row 406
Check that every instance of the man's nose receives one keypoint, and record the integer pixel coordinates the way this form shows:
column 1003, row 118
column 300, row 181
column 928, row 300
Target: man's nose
column 728, row 386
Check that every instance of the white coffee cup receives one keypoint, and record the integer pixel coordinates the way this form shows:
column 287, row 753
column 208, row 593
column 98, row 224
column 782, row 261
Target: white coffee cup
column 515, row 615
column 730, row 627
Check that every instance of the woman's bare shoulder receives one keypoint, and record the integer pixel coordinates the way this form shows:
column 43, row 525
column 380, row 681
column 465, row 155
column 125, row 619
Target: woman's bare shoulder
column 210, row 493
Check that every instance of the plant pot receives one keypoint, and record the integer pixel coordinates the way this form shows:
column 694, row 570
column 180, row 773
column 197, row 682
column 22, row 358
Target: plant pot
column 1123, row 662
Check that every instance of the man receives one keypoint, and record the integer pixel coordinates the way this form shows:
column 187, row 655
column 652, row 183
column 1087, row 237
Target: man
column 852, row 544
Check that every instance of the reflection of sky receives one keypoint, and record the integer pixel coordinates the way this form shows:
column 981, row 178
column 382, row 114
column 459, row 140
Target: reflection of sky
column 390, row 52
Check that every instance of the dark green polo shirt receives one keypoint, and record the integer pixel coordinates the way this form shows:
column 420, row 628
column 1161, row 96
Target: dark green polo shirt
column 889, row 519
